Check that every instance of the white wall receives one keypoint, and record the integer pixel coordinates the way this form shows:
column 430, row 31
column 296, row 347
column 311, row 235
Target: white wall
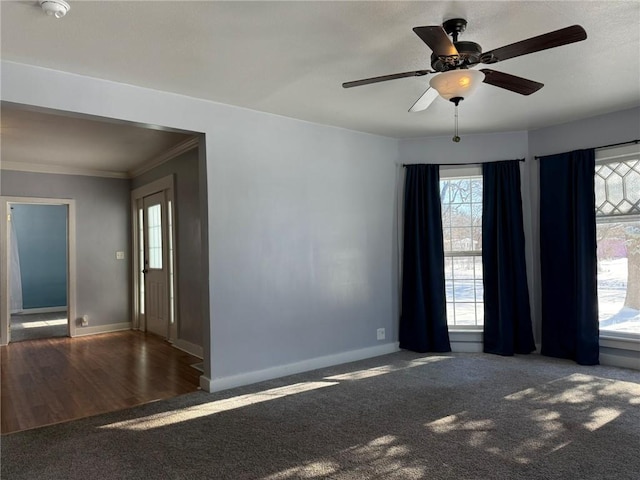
column 300, row 225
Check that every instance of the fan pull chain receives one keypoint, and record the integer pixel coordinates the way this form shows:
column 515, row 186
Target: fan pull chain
column 456, row 138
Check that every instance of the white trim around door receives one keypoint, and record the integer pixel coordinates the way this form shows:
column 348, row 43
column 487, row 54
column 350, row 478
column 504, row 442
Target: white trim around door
column 166, row 185
column 5, row 209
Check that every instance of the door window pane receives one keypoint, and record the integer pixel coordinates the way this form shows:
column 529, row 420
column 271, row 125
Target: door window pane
column 172, row 302
column 154, row 232
column 141, row 255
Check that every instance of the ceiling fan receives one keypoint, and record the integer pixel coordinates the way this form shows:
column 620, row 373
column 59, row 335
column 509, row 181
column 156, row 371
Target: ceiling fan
column 450, row 61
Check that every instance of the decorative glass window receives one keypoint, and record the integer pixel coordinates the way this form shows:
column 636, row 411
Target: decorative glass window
column 617, row 187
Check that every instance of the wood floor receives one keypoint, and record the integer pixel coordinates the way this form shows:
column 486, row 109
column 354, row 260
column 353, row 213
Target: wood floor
column 60, row 379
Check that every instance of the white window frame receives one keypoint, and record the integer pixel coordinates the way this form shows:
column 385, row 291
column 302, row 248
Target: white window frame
column 452, row 172
column 611, row 338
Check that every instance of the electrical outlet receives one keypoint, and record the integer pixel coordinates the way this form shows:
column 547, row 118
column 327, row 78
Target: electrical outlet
column 381, row 334
column 119, row 255
column 85, row 320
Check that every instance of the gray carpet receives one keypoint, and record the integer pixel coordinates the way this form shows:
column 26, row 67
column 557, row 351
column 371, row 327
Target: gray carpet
column 400, row 416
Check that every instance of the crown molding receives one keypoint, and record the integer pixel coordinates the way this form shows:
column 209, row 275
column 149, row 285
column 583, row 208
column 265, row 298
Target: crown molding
column 179, row 149
column 59, row 170
column 175, row 151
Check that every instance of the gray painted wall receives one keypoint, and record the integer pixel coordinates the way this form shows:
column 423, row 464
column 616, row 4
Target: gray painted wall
column 301, row 241
column 471, row 149
column 300, row 221
column 41, row 233
column 300, row 217
column 191, row 288
column 102, row 228
column 591, row 132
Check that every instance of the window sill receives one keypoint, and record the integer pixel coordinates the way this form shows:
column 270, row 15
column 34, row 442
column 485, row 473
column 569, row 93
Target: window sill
column 620, row 350
column 622, row 342
column 466, row 340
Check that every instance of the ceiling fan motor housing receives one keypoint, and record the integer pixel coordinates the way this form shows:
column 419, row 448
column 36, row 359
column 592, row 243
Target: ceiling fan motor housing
column 454, row 26
column 469, row 53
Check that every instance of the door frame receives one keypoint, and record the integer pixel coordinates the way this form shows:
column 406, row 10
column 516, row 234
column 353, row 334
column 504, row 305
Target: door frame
column 5, row 240
column 167, row 185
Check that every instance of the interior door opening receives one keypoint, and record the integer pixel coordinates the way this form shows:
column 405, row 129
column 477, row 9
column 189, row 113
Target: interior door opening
column 38, row 278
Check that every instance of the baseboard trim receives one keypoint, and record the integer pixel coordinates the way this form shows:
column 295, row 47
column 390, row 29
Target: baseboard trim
column 611, row 360
column 467, row 347
column 190, row 348
column 29, row 311
column 224, row 383
column 97, row 329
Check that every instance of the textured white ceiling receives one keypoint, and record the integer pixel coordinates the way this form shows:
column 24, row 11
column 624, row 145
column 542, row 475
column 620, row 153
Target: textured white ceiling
column 39, row 138
column 290, row 58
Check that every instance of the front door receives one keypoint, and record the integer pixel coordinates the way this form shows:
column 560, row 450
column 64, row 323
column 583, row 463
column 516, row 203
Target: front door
column 155, row 271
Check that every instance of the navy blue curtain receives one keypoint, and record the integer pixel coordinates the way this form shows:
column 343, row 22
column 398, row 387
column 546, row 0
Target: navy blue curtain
column 423, row 323
column 568, row 257
column 507, row 313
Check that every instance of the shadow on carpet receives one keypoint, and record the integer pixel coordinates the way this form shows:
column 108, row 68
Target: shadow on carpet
column 399, row 416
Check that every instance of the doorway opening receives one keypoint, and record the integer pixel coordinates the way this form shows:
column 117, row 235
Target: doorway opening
column 38, row 277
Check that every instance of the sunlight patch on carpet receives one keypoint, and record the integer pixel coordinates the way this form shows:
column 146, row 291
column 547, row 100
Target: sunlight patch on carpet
column 315, row 469
column 376, row 371
column 198, row 411
column 541, row 420
column 577, row 392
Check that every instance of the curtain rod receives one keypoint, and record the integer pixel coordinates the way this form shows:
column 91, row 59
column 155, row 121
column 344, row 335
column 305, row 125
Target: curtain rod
column 607, row 146
column 459, row 164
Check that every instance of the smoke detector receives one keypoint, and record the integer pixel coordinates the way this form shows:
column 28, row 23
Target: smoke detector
column 56, row 8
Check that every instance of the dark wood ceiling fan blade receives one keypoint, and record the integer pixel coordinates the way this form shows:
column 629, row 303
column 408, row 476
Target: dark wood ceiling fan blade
column 437, row 40
column 519, row 85
column 384, row 78
column 564, row 36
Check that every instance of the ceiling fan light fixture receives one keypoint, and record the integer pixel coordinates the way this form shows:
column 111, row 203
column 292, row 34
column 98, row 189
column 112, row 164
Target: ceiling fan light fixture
column 55, row 8
column 457, row 83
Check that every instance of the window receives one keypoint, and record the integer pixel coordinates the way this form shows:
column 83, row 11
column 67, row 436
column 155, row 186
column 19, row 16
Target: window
column 154, row 235
column 172, row 300
column 617, row 186
column 461, row 199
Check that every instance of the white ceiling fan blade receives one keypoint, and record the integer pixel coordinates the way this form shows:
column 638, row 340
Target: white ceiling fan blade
column 425, row 100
